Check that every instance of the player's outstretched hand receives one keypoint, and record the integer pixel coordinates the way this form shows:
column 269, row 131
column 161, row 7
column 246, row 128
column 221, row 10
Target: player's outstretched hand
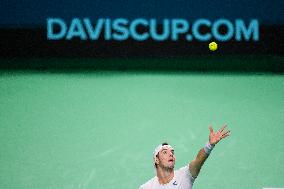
column 215, row 137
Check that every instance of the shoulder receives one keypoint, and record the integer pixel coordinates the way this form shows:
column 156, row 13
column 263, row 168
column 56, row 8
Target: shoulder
column 184, row 172
column 149, row 184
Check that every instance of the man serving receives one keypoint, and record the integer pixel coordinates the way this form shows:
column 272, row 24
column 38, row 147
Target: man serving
column 183, row 178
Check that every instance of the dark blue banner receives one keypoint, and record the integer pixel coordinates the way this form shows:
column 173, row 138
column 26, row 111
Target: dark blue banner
column 31, row 13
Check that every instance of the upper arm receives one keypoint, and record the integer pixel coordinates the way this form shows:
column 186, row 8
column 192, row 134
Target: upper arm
column 193, row 168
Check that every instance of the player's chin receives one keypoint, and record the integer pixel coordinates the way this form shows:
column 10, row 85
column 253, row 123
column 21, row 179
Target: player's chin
column 171, row 165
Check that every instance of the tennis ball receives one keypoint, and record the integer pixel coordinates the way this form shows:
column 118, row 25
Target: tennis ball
column 213, row 46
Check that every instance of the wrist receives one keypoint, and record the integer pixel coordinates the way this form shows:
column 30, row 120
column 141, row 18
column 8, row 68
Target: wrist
column 208, row 147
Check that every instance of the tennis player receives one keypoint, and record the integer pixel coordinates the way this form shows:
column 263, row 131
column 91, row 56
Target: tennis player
column 183, row 178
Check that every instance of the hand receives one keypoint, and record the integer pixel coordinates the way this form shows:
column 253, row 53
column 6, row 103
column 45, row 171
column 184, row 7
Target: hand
column 215, row 137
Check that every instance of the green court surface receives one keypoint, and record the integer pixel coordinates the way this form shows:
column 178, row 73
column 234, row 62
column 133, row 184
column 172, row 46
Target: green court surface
column 97, row 130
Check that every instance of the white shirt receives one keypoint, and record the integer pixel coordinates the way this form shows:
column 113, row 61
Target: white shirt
column 182, row 180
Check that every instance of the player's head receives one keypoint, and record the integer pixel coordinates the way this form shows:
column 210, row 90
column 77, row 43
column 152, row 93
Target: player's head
column 164, row 157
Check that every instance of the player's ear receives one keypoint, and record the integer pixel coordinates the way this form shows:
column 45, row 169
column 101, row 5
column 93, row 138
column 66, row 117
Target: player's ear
column 156, row 160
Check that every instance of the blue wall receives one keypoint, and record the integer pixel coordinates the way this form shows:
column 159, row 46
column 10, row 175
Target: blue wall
column 34, row 13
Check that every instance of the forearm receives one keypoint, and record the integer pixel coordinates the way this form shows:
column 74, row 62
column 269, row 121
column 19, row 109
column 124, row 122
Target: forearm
column 197, row 163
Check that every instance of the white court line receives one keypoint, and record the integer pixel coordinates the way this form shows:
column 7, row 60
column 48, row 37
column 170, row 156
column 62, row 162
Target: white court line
column 273, row 188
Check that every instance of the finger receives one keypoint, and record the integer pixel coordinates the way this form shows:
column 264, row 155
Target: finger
column 220, row 130
column 224, row 136
column 225, row 132
column 211, row 129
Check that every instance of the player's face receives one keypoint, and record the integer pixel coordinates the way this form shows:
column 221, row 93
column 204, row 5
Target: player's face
column 167, row 158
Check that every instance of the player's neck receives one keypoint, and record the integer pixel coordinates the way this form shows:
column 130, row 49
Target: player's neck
column 165, row 175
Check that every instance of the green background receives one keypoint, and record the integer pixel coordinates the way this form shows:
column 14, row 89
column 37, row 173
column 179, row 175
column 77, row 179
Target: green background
column 78, row 130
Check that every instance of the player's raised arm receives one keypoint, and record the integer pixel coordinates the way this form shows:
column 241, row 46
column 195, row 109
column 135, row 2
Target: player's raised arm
column 214, row 138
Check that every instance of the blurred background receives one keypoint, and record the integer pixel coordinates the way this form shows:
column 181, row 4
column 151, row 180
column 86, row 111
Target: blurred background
column 88, row 89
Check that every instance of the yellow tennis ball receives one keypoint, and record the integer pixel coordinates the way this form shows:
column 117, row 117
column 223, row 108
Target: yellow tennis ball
column 213, row 46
